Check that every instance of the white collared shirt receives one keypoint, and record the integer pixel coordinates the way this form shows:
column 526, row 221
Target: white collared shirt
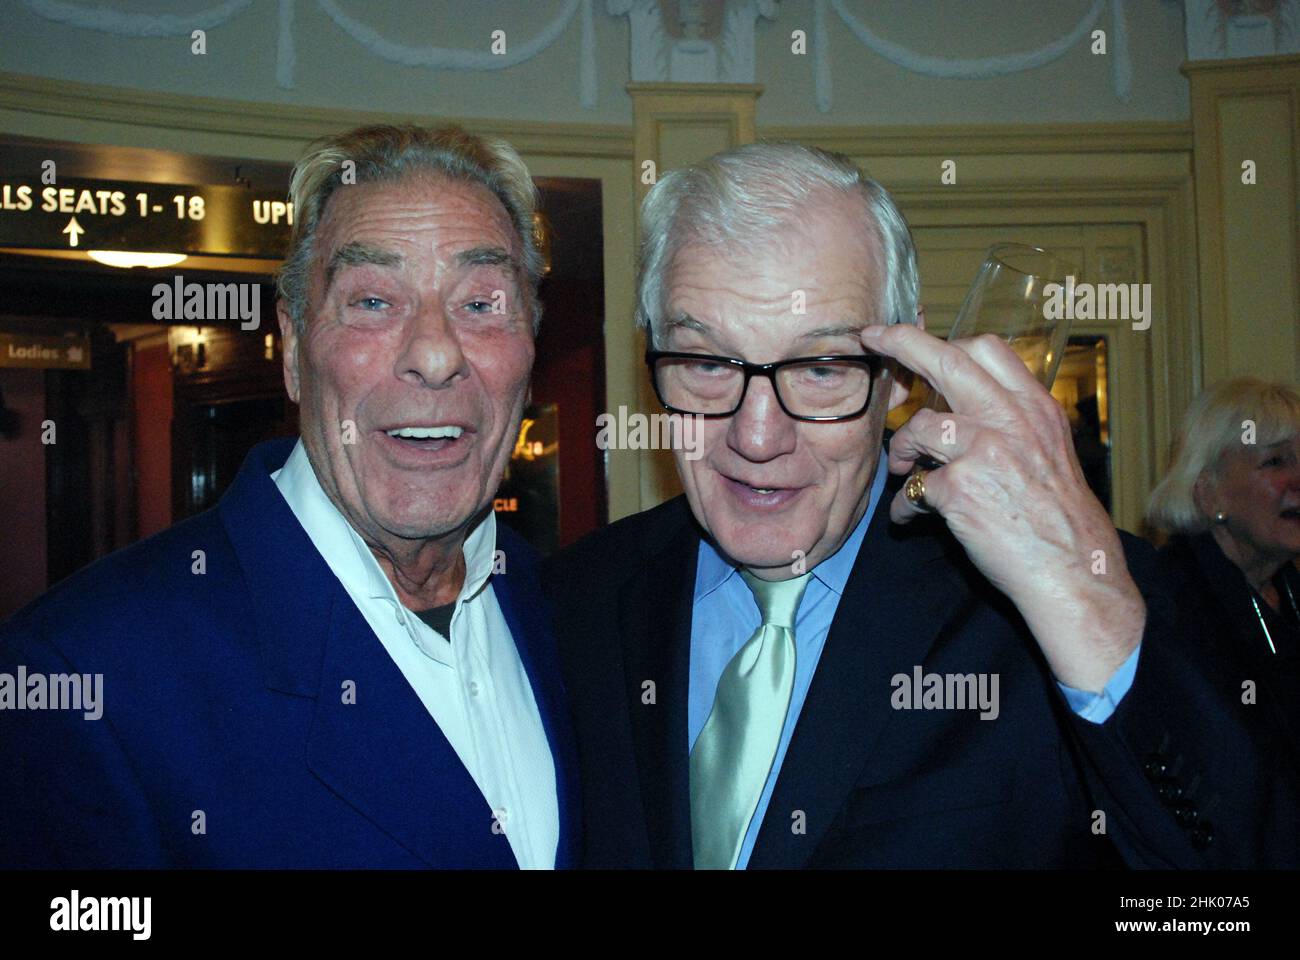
column 473, row 684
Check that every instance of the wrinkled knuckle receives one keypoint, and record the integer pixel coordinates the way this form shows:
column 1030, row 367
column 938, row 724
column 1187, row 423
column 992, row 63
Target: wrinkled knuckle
column 989, row 344
column 952, row 362
column 956, row 481
column 1042, row 463
column 923, row 419
column 996, row 453
column 1047, row 425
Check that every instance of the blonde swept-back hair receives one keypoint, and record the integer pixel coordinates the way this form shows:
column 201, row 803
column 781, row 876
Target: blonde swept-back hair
column 1216, row 422
column 384, row 152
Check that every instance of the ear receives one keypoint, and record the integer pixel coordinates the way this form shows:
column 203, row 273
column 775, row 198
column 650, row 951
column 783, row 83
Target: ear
column 288, row 350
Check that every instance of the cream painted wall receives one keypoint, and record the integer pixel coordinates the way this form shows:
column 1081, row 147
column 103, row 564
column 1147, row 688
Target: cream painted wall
column 332, row 70
column 1248, row 112
column 1076, row 88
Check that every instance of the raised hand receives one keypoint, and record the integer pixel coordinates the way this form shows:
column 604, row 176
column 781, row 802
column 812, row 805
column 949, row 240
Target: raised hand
column 1012, row 492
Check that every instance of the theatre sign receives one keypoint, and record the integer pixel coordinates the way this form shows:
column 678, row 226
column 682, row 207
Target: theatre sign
column 144, row 217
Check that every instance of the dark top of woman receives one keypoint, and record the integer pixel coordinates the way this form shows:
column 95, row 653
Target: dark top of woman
column 1223, row 630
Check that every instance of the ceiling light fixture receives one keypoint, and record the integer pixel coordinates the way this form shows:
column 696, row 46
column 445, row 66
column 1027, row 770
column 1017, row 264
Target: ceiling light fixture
column 128, row 258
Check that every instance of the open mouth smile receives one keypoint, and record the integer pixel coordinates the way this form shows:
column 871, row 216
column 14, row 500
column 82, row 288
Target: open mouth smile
column 427, row 444
column 760, row 497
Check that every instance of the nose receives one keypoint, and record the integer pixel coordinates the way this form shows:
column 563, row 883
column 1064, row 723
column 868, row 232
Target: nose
column 431, row 354
column 760, row 431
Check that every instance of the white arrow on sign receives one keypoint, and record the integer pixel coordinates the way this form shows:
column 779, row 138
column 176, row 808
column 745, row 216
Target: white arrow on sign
column 73, row 230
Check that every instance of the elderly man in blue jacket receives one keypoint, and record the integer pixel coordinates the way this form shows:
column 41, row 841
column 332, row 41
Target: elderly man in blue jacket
column 341, row 665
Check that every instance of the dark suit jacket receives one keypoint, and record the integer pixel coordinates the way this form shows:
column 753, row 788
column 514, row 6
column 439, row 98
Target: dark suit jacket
column 874, row 786
column 1212, row 592
column 223, row 693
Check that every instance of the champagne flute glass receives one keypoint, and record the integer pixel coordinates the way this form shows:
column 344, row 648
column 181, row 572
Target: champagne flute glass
column 1007, row 299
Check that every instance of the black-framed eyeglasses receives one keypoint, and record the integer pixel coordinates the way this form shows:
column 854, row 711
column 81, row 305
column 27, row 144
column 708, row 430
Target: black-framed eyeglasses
column 807, row 388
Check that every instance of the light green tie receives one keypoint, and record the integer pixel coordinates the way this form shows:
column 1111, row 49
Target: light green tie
column 733, row 755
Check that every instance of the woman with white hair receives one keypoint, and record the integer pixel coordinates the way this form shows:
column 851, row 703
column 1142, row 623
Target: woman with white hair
column 1231, row 500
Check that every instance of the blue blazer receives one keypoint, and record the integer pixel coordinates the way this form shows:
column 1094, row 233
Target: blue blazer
column 224, row 740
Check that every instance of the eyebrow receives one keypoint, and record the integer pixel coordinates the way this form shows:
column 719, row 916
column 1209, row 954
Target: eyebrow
column 487, row 257
column 356, row 252
column 848, row 330
column 684, row 321
column 351, row 254
column 687, row 322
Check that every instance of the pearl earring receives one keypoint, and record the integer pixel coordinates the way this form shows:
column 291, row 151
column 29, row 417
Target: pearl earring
column 1220, row 517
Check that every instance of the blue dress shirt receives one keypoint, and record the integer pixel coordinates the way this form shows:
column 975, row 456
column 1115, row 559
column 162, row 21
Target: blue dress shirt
column 725, row 615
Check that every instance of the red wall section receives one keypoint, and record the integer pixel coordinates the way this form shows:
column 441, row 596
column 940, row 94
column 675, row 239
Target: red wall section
column 151, row 390
column 22, row 492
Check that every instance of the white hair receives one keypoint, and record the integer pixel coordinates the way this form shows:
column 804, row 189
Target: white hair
column 1213, row 425
column 743, row 196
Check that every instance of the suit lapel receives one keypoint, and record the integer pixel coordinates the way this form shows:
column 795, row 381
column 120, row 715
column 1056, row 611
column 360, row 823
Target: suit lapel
column 383, row 754
column 655, row 627
column 896, row 600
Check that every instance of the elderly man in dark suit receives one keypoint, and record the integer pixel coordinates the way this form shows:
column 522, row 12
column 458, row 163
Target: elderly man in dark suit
column 343, row 663
column 806, row 662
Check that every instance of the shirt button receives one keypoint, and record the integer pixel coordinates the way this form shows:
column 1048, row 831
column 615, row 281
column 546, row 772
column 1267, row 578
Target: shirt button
column 473, row 688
